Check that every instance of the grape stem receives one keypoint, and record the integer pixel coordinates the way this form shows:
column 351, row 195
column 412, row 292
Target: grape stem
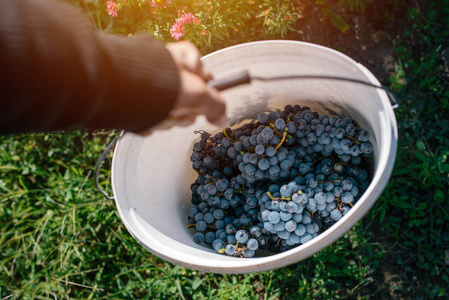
column 284, row 135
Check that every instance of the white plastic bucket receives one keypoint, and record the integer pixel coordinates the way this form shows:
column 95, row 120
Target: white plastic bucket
column 151, row 176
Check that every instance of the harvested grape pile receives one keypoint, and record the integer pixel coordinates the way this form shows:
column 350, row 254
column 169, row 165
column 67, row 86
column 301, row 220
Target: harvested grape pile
column 278, row 183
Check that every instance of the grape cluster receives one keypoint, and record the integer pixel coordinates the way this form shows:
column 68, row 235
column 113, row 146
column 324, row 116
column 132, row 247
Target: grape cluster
column 276, row 183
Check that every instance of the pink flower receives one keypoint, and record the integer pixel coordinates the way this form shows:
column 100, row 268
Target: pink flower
column 112, row 7
column 197, row 21
column 186, row 18
column 177, row 31
column 203, row 32
column 288, row 17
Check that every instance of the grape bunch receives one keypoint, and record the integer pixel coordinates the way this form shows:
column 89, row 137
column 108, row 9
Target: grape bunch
column 277, row 183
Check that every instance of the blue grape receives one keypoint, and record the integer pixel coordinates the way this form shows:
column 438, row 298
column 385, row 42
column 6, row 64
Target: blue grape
column 199, row 238
column 312, row 138
column 336, row 215
column 363, row 135
column 230, row 229
column 209, row 237
column 294, row 239
column 201, row 226
column 199, row 217
column 279, row 124
column 241, row 236
column 255, row 231
column 248, row 253
column 249, row 169
column 222, row 184
column 259, row 149
column 254, row 159
column 285, row 216
column 300, row 230
column 262, row 118
column 218, row 245
column 193, row 210
column 268, row 226
column 230, row 249
column 286, row 191
column 273, row 115
column 274, row 217
column 208, row 218
column 347, row 197
column 267, row 133
column 231, row 239
column 346, row 185
column 345, row 144
column 238, row 146
column 218, row 214
column 290, row 226
column 305, row 238
column 366, row 148
column 284, row 234
column 281, row 156
column 297, row 217
column 252, row 244
column 291, row 127
column 274, row 170
column 292, row 207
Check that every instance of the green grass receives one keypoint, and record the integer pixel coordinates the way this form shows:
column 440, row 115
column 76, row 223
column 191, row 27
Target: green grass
column 59, row 237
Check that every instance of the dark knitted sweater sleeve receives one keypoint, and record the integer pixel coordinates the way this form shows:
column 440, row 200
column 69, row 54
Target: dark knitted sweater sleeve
column 57, row 73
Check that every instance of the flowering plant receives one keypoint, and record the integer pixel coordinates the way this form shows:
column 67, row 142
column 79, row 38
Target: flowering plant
column 209, row 24
column 202, row 22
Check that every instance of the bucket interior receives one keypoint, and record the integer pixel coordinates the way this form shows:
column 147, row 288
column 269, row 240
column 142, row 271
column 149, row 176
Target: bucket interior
column 151, row 176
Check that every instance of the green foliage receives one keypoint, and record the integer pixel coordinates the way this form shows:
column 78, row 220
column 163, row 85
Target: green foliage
column 414, row 208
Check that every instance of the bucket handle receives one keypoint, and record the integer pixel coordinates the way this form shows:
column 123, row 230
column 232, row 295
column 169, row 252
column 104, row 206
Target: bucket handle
column 244, row 78
column 100, row 162
column 233, row 81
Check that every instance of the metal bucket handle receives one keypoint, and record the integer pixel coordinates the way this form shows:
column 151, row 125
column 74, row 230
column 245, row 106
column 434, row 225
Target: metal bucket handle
column 100, row 162
column 236, row 80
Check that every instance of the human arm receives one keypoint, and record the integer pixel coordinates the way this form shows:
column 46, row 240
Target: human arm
column 57, row 73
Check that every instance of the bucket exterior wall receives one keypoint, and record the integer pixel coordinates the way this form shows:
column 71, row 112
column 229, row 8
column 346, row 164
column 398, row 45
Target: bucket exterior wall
column 151, row 176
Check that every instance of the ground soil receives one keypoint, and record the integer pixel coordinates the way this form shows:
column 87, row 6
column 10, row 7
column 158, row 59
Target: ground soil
column 369, row 40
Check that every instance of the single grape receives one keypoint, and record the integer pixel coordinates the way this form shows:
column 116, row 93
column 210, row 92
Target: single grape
column 230, row 229
column 201, row 226
column 345, row 144
column 279, row 124
column 290, row 226
column 366, row 148
column 363, row 135
column 208, row 218
column 252, row 244
column 230, row 249
column 218, row 245
column 241, row 236
column 199, row 238
column 305, row 238
column 248, row 253
column 218, row 214
column 210, row 237
column 262, row 118
column 274, row 217
column 336, row 215
column 347, row 197
column 193, row 210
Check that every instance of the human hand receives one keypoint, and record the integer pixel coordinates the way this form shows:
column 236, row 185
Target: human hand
column 195, row 96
